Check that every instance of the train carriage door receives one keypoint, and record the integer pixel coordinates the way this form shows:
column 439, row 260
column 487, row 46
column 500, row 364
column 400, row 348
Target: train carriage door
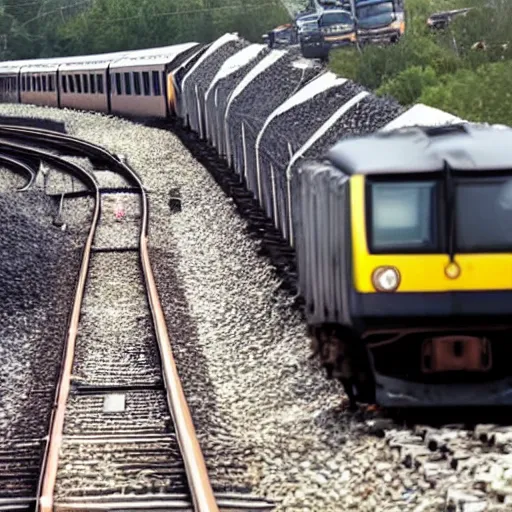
column 166, row 92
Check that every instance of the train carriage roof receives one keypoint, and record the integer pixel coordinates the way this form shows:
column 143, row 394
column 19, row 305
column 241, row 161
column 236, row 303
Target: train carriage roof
column 90, row 62
column 153, row 56
column 463, row 146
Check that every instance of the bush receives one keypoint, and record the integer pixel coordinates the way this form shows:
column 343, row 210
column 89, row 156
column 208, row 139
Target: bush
column 441, row 68
column 375, row 65
column 483, row 95
column 409, row 84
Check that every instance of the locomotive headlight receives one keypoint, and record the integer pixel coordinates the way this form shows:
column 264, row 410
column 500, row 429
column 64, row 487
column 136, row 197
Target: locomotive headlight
column 386, row 279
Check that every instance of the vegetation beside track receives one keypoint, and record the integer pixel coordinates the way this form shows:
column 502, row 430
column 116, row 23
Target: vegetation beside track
column 47, row 28
column 442, row 68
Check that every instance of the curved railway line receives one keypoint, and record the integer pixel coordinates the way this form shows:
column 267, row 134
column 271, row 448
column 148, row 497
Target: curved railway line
column 128, row 418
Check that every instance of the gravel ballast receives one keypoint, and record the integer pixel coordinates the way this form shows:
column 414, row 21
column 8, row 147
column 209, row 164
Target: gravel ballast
column 261, row 406
column 38, row 268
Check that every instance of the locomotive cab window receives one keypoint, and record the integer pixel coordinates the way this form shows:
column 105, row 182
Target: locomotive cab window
column 403, row 216
column 483, row 214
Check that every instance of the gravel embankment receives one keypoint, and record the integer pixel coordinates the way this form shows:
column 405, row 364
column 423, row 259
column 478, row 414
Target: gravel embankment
column 260, row 404
column 10, row 181
column 38, row 267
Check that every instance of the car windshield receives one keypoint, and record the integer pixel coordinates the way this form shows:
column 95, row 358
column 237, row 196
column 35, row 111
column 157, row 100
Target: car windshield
column 336, row 18
column 309, row 27
column 369, row 11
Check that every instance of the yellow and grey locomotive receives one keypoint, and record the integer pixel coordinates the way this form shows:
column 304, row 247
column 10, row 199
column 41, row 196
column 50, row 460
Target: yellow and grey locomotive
column 404, row 252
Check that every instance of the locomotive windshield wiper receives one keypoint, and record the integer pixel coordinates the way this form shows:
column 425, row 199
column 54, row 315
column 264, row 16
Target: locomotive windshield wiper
column 450, row 211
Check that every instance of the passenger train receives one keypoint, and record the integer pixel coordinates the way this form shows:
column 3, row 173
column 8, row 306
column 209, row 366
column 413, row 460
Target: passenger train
column 403, row 238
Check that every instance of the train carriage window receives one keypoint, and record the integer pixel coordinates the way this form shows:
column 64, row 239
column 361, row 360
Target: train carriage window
column 136, row 83
column 71, row 80
column 78, row 84
column 45, row 88
column 119, row 88
column 64, row 84
column 34, row 87
column 127, row 84
column 156, row 84
column 85, row 83
column 99, row 79
column 51, row 83
column 403, row 216
column 92, row 83
column 39, row 88
column 23, row 83
column 28, row 84
column 146, row 84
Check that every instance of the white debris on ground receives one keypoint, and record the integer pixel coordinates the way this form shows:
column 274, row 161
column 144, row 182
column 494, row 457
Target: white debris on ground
column 244, row 357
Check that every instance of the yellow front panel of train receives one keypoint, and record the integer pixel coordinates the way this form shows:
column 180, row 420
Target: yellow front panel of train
column 422, row 272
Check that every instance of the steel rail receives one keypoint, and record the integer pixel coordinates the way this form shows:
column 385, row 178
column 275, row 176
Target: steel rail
column 19, row 167
column 50, row 458
column 195, row 467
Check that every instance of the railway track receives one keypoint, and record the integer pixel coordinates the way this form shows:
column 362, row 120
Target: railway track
column 121, row 436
